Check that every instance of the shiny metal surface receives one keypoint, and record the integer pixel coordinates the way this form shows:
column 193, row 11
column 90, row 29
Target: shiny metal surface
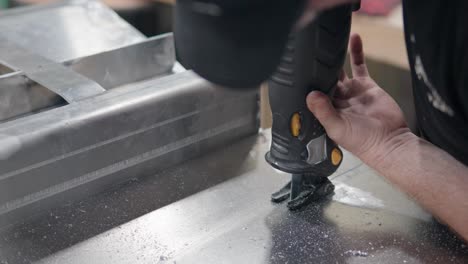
column 20, row 95
column 82, row 148
column 150, row 58
column 147, row 118
column 67, row 30
column 216, row 209
column 61, row 80
column 35, row 37
column 213, row 208
column 317, row 150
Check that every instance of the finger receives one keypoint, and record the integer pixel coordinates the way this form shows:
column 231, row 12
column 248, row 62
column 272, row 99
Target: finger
column 358, row 65
column 341, row 91
column 320, row 105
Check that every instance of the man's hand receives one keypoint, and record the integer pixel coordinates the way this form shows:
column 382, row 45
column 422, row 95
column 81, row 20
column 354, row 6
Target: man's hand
column 365, row 120
column 362, row 117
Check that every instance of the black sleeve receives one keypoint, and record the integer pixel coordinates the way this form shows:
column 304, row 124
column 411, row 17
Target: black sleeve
column 436, row 34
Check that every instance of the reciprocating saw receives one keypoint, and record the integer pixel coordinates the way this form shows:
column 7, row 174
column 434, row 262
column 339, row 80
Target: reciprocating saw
column 241, row 43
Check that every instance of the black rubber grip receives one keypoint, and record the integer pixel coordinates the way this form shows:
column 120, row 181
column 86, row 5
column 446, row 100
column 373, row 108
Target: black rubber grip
column 313, row 60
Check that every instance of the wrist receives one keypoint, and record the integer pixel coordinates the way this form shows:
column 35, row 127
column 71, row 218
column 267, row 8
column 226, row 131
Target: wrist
column 385, row 155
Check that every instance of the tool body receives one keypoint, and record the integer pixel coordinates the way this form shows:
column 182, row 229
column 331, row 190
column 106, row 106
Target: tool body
column 241, row 43
column 312, row 60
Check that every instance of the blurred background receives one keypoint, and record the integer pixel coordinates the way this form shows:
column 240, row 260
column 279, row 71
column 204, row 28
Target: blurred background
column 379, row 22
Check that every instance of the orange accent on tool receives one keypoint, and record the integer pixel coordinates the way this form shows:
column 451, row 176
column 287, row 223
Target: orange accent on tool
column 336, row 156
column 295, row 124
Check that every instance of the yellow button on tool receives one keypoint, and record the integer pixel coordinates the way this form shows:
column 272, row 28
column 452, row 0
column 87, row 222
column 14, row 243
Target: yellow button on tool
column 336, row 156
column 295, row 124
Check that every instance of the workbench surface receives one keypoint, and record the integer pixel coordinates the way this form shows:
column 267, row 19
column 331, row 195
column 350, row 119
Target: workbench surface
column 216, row 209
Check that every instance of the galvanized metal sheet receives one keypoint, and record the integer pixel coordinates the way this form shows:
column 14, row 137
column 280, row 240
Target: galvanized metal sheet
column 20, row 95
column 63, row 81
column 216, row 209
column 66, row 30
column 151, row 58
column 75, row 150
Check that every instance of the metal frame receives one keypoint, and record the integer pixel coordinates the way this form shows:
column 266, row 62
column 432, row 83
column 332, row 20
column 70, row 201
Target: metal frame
column 103, row 118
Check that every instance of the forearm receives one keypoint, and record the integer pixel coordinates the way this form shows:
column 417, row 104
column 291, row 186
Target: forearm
column 428, row 174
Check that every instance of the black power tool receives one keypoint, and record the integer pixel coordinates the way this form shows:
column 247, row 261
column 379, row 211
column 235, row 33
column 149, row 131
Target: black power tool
column 241, row 43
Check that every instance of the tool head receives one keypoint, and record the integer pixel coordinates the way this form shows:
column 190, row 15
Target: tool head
column 234, row 43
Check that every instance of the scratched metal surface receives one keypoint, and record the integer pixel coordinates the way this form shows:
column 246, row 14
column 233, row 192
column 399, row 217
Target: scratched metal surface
column 216, row 209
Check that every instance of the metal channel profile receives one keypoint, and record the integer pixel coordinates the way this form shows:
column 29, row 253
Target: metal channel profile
column 57, row 32
column 150, row 58
column 129, row 115
column 83, row 148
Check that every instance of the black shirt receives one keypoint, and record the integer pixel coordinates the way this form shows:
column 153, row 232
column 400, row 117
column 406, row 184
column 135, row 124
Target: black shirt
column 436, row 34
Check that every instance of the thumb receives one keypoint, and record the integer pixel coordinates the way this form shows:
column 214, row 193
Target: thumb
column 320, row 105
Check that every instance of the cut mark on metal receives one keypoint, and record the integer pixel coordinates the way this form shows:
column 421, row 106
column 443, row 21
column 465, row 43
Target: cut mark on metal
column 346, row 194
